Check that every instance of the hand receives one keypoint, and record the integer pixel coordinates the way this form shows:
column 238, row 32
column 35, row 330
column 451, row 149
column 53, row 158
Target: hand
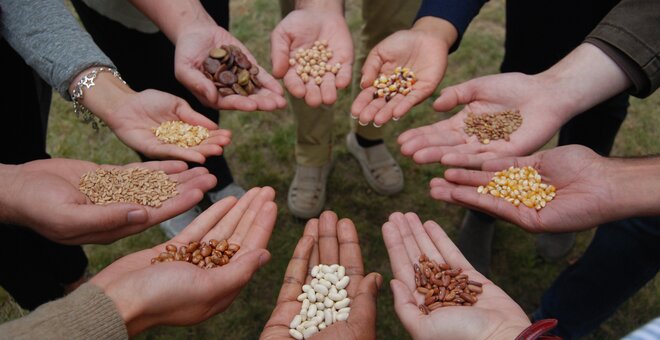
column 422, row 50
column 178, row 293
column 494, row 316
column 584, row 198
column 192, row 48
column 133, row 118
column 447, row 143
column 44, row 196
column 300, row 29
column 327, row 241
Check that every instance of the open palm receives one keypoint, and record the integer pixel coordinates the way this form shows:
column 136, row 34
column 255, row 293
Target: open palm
column 576, row 172
column 446, row 141
column 494, row 316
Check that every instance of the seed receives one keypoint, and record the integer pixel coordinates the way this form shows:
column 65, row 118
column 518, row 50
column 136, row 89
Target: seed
column 218, row 53
column 423, row 309
column 132, row 185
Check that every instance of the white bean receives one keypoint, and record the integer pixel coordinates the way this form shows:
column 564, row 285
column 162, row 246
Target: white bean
column 300, row 328
column 322, row 326
column 328, row 317
column 297, row 320
column 342, row 316
column 314, row 282
column 311, row 312
column 306, row 288
column 319, row 297
column 302, row 297
column 295, row 334
column 342, row 304
column 315, row 270
column 319, row 288
column 317, row 320
column 328, row 303
column 331, row 277
column 310, row 331
column 345, row 310
column 341, row 272
column 334, row 267
column 325, row 269
column 343, row 282
column 326, row 283
column 307, row 324
column 320, row 306
column 343, row 293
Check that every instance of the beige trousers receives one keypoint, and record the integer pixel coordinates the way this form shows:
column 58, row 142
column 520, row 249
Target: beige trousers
column 314, row 125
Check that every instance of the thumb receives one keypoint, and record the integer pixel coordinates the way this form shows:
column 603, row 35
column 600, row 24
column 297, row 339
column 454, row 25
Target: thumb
column 364, row 311
column 452, row 96
column 239, row 271
column 102, row 218
column 280, row 46
column 370, row 69
column 195, row 81
column 404, row 305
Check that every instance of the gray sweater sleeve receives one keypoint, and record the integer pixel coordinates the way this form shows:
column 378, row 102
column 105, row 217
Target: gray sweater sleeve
column 50, row 40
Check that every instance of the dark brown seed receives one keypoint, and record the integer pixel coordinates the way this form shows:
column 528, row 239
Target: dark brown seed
column 249, row 88
column 254, row 70
column 243, row 62
column 211, row 65
column 216, row 75
column 239, row 89
column 227, row 78
column 418, row 280
column 218, row 53
column 243, row 77
column 423, row 309
column 416, row 268
column 256, row 81
column 226, row 91
column 375, row 95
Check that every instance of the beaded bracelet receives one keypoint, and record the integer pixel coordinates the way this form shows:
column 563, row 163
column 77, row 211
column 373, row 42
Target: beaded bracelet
column 87, row 82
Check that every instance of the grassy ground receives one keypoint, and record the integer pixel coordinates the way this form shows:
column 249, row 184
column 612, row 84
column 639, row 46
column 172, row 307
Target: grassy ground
column 262, row 154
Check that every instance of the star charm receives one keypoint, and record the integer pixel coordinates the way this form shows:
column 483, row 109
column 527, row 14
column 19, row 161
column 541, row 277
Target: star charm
column 87, row 82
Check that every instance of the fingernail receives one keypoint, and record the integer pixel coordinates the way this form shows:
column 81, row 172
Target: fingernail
column 379, row 281
column 137, row 216
column 362, row 124
column 264, row 258
column 396, row 119
column 355, row 117
column 376, row 125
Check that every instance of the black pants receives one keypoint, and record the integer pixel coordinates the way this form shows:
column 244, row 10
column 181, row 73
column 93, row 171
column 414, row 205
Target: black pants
column 33, row 269
column 146, row 61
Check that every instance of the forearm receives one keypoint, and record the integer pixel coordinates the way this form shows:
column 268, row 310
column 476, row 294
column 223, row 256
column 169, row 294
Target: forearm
column 7, row 177
column 584, row 78
column 50, row 40
column 457, row 12
column 329, row 5
column 440, row 29
column 87, row 313
column 635, row 186
column 174, row 16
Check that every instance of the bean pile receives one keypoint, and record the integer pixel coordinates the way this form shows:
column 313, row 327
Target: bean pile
column 313, row 63
column 324, row 301
column 231, row 71
column 493, row 126
column 401, row 81
column 134, row 185
column 181, row 134
column 443, row 286
column 520, row 185
column 203, row 255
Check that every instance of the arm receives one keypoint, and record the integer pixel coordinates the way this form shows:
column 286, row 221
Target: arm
column 42, row 33
column 313, row 20
column 194, row 33
column 457, row 12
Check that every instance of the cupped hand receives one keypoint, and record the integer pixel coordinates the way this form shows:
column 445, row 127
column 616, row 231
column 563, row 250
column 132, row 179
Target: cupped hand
column 133, row 119
column 46, row 198
column 179, row 293
column 192, row 48
column 300, row 29
column 446, row 141
column 494, row 316
column 328, row 241
column 420, row 51
column 578, row 174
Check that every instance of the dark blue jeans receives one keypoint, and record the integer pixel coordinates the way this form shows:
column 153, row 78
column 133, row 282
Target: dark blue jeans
column 621, row 259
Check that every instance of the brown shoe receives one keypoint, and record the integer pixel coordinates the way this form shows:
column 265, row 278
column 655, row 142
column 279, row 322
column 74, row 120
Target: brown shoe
column 378, row 166
column 306, row 197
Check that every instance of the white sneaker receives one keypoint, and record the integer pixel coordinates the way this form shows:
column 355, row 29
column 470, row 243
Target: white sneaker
column 174, row 225
column 306, row 197
column 380, row 169
column 232, row 189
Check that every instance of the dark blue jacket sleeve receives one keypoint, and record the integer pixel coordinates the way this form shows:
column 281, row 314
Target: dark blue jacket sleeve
column 458, row 12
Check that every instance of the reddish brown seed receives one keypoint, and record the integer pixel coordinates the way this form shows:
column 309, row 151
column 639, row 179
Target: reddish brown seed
column 229, row 253
column 450, row 296
column 239, row 89
column 441, row 293
column 445, row 280
column 416, row 268
column 475, row 283
column 429, row 293
column 423, row 258
column 183, row 250
column 427, row 272
column 461, row 276
column 226, row 91
column 201, row 264
column 474, row 288
column 243, row 62
column 228, row 78
column 469, row 298
column 211, row 65
column 216, row 259
column 197, row 252
column 154, row 260
column 429, row 300
column 435, row 306
column 213, row 243
column 422, row 290
column 170, row 248
column 234, row 247
column 423, row 309
column 450, row 303
column 444, row 266
column 423, row 280
column 178, row 257
column 206, row 251
column 255, row 80
column 254, row 70
column 192, row 246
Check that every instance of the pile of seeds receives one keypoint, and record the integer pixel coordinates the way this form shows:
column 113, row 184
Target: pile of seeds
column 203, row 255
column 443, row 286
column 231, row 71
column 313, row 63
column 401, row 81
column 181, row 134
column 134, row 185
column 493, row 126
column 324, row 301
column 520, row 185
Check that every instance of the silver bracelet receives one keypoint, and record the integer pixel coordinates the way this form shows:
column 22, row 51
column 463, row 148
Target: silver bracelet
column 87, row 82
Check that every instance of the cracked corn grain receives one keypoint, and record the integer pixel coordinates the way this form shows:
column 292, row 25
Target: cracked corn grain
column 181, row 134
column 134, row 185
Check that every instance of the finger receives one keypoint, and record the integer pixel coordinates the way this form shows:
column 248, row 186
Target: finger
column 266, row 194
column 472, row 178
column 434, row 128
column 407, row 103
column 441, row 190
column 294, row 84
column 506, row 162
column 385, row 114
column 363, row 310
column 328, row 246
column 361, row 101
column 313, row 96
column 405, row 305
column 431, row 139
column 261, row 229
column 269, row 82
column 197, row 83
column 224, row 229
column 192, row 117
column 280, row 49
column 350, row 255
column 208, row 150
column 447, row 248
column 412, row 248
column 452, row 96
column 220, row 139
column 369, row 112
column 236, row 102
column 422, row 238
column 238, row 272
column 264, row 102
column 169, row 151
column 343, row 77
column 296, row 272
column 100, row 218
column 466, row 160
column 401, row 264
column 205, row 221
column 328, row 89
column 188, row 175
column 370, row 69
column 492, row 205
column 312, row 230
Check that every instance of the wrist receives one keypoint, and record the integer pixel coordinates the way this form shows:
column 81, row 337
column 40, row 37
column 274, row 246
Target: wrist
column 325, row 5
column 633, row 186
column 97, row 91
column 439, row 29
column 174, row 17
column 8, row 176
column 128, row 306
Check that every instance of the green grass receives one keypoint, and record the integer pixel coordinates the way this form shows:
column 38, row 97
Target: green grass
column 262, row 154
